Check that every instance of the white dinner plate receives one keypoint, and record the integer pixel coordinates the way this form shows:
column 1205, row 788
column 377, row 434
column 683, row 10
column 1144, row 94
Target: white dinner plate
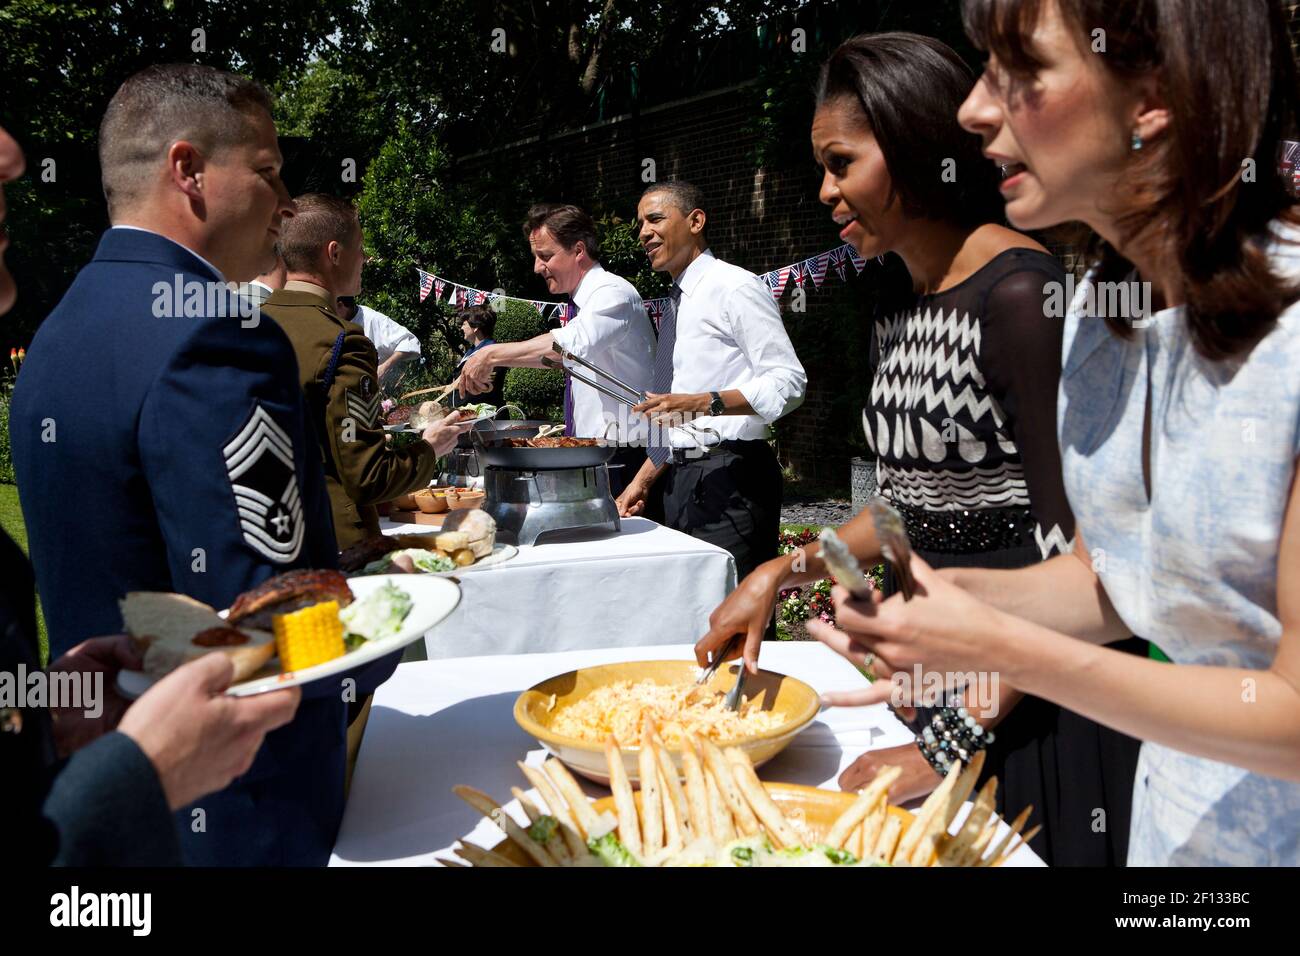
column 500, row 553
column 433, row 598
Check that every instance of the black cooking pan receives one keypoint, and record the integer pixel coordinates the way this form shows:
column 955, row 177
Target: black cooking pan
column 493, row 428
column 490, row 438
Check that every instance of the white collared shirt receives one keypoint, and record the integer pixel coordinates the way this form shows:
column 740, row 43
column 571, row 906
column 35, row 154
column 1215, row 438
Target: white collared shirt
column 257, row 292
column 388, row 336
column 215, row 270
column 612, row 331
column 730, row 335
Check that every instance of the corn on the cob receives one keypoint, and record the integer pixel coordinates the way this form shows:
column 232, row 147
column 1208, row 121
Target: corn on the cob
column 310, row 636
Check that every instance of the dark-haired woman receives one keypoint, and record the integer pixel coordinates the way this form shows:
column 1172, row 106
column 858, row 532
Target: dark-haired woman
column 1157, row 123
column 961, row 416
column 477, row 323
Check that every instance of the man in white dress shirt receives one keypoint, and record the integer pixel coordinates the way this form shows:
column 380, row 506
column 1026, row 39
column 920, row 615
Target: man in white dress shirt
column 724, row 373
column 395, row 344
column 273, row 279
column 611, row 330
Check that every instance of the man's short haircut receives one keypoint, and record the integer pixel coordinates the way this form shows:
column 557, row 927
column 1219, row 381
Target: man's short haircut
column 163, row 104
column 567, row 223
column 318, row 220
column 481, row 318
column 685, row 196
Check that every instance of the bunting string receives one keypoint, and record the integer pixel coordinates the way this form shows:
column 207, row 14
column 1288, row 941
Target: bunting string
column 815, row 268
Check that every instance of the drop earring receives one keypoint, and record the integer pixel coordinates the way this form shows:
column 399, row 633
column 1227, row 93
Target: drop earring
column 1137, row 141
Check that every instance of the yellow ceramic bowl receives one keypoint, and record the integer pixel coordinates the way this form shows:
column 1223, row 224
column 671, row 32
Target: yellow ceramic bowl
column 819, row 809
column 793, row 697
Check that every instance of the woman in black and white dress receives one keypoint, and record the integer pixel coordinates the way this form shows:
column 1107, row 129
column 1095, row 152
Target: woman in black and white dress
column 961, row 414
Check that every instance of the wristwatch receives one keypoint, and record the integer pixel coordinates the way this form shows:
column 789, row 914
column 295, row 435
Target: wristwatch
column 716, row 407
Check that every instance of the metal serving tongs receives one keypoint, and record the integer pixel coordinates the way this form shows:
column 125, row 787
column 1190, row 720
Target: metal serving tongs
column 637, row 396
column 891, row 534
column 706, row 674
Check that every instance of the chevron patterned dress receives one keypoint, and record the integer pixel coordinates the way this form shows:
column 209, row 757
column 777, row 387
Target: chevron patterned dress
column 962, row 420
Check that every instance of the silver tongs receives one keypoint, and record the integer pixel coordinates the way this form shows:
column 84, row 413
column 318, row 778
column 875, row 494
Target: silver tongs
column 637, row 398
column 891, row 534
column 732, row 701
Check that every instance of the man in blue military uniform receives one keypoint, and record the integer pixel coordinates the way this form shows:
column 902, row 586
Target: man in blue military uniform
column 109, row 802
column 159, row 434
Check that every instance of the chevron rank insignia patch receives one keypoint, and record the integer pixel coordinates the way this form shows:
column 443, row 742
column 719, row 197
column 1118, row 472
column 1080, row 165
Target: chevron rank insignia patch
column 259, row 463
column 363, row 404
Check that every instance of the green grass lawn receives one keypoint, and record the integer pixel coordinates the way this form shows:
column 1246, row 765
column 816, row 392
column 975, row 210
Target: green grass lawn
column 11, row 519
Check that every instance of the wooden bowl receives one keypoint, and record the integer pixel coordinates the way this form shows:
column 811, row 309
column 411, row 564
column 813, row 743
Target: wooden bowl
column 796, row 699
column 818, row 809
column 405, row 503
column 430, row 503
column 466, row 500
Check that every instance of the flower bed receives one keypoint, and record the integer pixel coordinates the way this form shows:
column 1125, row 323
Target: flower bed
column 796, row 605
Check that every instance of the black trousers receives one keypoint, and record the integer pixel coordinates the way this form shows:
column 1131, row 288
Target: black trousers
column 731, row 498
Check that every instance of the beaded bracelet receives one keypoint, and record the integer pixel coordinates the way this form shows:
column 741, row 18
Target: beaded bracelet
column 952, row 734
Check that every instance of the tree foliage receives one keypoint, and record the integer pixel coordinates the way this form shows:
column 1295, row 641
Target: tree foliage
column 409, row 90
column 61, row 62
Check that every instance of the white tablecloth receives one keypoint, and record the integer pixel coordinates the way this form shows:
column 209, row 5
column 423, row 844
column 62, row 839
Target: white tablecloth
column 435, row 724
column 646, row 585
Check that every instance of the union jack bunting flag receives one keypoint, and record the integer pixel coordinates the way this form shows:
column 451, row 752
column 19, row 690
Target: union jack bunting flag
column 837, row 257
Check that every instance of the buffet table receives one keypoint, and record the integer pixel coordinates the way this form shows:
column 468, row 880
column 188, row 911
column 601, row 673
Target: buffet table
column 641, row 586
column 435, row 724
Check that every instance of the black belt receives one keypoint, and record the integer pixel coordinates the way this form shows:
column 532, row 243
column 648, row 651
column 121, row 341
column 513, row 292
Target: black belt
column 737, row 446
column 973, row 531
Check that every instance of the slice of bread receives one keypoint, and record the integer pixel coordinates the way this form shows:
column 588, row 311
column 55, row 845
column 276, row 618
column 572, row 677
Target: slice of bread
column 477, row 526
column 166, row 626
column 450, row 541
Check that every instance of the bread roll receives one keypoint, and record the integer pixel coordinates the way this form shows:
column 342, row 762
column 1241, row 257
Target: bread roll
column 450, row 541
column 167, row 625
column 477, row 525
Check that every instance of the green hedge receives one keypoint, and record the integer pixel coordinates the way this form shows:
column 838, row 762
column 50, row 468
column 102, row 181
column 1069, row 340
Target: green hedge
column 518, row 322
column 6, row 454
column 538, row 391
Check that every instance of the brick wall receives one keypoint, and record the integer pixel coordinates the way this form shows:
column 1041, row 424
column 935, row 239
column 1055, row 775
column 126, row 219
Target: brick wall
column 760, row 217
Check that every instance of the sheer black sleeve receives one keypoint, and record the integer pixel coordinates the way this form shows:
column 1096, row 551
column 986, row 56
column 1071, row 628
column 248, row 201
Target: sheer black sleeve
column 1020, row 355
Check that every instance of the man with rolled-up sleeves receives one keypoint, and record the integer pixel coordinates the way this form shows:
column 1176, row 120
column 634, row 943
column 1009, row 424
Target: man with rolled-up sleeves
column 609, row 328
column 724, row 372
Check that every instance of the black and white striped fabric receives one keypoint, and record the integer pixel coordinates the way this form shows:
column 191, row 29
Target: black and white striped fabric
column 946, row 367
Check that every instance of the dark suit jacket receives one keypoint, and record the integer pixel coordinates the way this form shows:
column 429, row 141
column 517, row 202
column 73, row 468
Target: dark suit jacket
column 160, row 443
column 102, row 807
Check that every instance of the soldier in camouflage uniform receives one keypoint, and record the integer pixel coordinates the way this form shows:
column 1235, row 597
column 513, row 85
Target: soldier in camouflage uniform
column 337, row 366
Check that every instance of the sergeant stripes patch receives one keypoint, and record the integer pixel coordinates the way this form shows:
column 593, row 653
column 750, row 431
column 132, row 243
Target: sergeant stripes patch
column 363, row 411
column 260, row 465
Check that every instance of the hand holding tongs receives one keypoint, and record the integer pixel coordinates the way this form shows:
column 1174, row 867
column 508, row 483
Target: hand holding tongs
column 894, row 546
column 706, row 674
column 637, row 398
